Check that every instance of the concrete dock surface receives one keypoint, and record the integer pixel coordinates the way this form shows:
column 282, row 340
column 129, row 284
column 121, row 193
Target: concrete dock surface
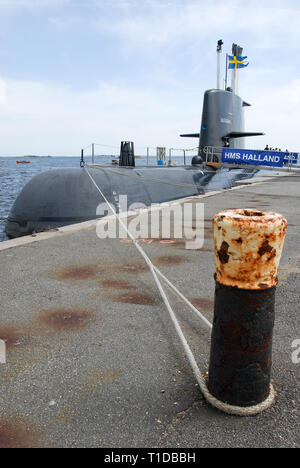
column 92, row 356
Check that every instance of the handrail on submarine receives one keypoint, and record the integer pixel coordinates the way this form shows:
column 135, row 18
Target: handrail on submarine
column 147, row 148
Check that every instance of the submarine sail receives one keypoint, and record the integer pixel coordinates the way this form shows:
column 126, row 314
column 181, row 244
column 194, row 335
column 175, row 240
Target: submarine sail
column 222, row 123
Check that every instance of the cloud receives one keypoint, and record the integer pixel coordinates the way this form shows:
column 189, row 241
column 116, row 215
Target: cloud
column 275, row 111
column 40, row 118
column 46, row 118
column 159, row 23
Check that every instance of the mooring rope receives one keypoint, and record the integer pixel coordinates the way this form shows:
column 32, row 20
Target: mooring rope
column 235, row 410
column 147, row 259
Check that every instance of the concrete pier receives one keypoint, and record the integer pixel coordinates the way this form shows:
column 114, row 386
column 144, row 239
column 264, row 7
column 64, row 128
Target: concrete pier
column 92, row 358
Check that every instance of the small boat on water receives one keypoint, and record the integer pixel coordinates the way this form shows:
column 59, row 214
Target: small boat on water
column 23, row 162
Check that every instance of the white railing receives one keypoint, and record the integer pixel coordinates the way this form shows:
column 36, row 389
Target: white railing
column 142, row 152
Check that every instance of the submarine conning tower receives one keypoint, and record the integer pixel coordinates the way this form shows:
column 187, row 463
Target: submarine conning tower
column 222, row 119
column 222, row 123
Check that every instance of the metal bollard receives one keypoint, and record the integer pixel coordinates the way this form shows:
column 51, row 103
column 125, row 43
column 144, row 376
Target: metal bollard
column 248, row 247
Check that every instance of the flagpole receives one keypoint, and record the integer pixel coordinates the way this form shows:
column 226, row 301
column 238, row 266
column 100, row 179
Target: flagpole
column 226, row 73
column 235, row 63
column 233, row 76
column 233, row 70
column 237, row 82
column 238, row 52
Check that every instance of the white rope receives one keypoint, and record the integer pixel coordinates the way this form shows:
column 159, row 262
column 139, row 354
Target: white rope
column 188, row 303
column 147, row 259
column 230, row 409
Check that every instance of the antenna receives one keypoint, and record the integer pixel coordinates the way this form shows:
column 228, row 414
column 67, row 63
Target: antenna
column 219, row 53
column 236, row 51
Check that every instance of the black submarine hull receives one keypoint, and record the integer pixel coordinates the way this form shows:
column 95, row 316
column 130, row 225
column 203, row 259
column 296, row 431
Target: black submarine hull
column 60, row 197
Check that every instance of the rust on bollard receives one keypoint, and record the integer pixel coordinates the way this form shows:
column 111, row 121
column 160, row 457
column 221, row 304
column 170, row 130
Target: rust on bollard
column 248, row 247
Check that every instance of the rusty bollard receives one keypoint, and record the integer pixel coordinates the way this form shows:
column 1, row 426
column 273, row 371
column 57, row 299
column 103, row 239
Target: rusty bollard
column 248, row 247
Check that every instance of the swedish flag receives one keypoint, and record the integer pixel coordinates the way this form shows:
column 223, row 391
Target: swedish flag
column 237, row 61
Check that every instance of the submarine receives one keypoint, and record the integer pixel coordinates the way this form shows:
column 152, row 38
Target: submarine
column 60, row 197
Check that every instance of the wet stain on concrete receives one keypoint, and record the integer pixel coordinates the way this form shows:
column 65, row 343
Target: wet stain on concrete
column 10, row 335
column 65, row 319
column 133, row 268
column 132, row 298
column 94, row 271
column 202, row 303
column 101, row 377
column 132, row 326
column 13, row 435
column 169, row 260
column 116, row 284
column 77, row 273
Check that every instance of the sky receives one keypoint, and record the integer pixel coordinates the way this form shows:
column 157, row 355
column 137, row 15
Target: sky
column 73, row 72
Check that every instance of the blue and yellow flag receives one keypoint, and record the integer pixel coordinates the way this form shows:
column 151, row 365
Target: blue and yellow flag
column 237, row 61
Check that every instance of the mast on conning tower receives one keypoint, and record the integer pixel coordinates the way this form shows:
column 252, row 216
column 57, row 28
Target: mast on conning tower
column 219, row 55
column 237, row 51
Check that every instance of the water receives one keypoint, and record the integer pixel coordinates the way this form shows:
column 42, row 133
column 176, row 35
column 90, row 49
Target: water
column 13, row 177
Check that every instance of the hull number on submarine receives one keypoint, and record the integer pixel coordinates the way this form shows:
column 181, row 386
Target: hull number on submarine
column 259, row 158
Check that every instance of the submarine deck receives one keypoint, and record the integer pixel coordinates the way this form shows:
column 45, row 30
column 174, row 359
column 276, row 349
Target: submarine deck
column 92, row 356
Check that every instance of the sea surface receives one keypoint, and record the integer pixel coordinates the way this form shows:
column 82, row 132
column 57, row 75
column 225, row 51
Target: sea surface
column 13, row 176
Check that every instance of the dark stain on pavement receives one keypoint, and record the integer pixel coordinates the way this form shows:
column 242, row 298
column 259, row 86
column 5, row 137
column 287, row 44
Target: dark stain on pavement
column 202, row 303
column 133, row 268
column 14, row 435
column 133, row 298
column 169, row 260
column 76, row 272
column 9, row 335
column 62, row 319
column 116, row 284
